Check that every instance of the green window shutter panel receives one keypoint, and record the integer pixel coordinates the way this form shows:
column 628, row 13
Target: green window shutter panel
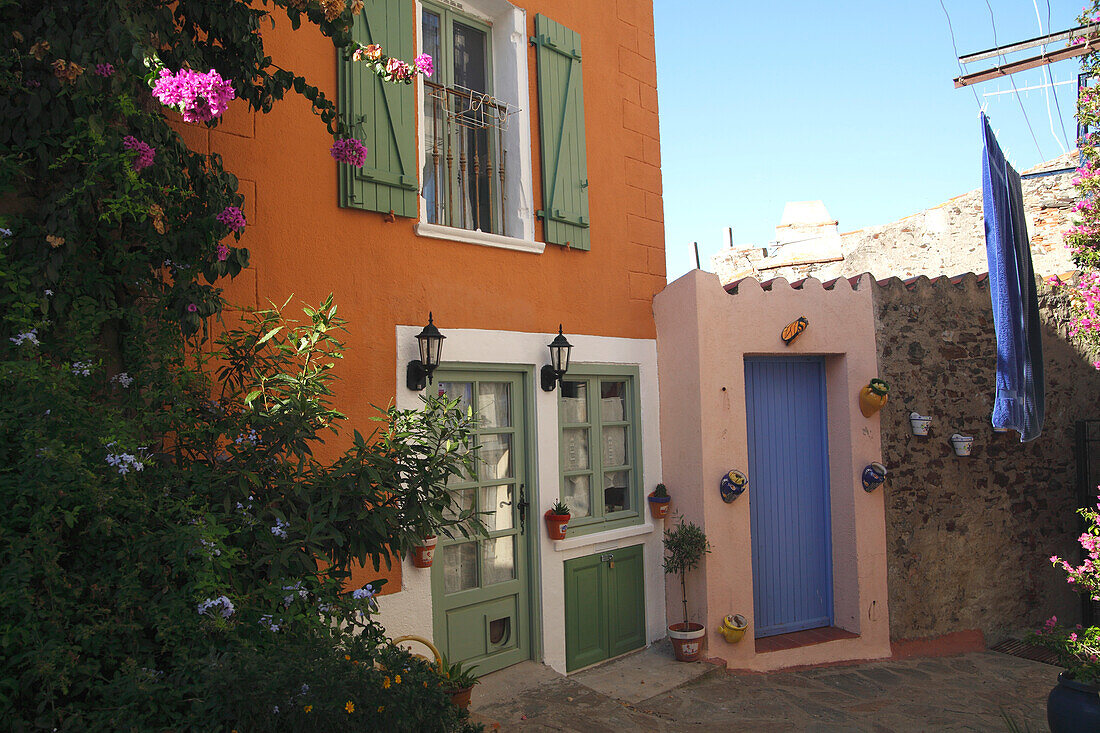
column 561, row 129
column 382, row 115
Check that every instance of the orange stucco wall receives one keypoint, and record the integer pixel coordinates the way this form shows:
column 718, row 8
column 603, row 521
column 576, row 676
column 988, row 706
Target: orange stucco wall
column 383, row 274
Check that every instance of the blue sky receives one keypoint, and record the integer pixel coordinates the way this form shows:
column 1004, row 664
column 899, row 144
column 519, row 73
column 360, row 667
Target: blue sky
column 848, row 102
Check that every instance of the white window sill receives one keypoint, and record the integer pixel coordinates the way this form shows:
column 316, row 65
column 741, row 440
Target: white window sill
column 436, row 231
column 600, row 538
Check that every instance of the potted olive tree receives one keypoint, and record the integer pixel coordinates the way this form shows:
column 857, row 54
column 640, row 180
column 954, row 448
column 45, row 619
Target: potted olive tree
column 685, row 545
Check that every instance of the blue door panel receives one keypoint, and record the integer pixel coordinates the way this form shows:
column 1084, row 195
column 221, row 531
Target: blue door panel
column 789, row 494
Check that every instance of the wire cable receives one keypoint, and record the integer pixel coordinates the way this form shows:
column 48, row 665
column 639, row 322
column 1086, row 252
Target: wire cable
column 962, row 71
column 1050, row 79
column 996, row 43
column 1054, row 91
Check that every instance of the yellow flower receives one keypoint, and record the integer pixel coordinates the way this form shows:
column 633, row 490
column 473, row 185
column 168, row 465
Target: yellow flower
column 381, row 708
column 374, row 52
column 55, row 241
column 397, row 679
column 308, row 708
column 386, row 683
column 348, row 657
column 350, row 707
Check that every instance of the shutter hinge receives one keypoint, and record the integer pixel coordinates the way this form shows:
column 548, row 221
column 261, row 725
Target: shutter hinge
column 545, row 41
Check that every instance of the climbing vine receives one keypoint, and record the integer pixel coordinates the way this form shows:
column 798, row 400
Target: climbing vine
column 173, row 551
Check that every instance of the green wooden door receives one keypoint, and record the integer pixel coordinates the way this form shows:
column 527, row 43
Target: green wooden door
column 480, row 591
column 604, row 606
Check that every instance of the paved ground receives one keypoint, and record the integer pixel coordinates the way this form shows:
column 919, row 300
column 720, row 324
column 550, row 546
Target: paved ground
column 962, row 693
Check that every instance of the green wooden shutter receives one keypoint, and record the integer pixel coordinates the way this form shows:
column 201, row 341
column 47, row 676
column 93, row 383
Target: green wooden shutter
column 382, row 115
column 561, row 128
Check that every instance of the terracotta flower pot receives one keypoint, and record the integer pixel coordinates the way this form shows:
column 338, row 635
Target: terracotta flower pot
column 424, row 553
column 556, row 525
column 687, row 641
column 461, row 698
column 659, row 506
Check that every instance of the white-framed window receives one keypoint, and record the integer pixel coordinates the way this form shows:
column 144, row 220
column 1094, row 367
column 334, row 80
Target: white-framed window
column 475, row 141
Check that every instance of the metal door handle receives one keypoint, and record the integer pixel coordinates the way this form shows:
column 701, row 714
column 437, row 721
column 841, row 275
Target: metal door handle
column 522, row 507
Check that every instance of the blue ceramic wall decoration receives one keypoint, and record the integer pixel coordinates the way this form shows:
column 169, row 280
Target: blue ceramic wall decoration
column 873, row 476
column 733, row 484
column 792, row 330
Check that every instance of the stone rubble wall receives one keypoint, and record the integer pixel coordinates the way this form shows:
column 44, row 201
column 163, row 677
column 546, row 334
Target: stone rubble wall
column 968, row 539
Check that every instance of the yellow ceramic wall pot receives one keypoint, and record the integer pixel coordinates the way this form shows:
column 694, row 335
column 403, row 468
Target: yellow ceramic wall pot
column 873, row 397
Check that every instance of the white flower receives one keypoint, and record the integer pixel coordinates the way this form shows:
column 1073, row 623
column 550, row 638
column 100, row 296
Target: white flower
column 123, row 379
column 31, row 336
column 48, row 293
column 279, row 530
column 82, row 368
column 221, row 601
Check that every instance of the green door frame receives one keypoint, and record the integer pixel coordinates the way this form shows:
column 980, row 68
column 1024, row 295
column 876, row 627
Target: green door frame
column 523, row 378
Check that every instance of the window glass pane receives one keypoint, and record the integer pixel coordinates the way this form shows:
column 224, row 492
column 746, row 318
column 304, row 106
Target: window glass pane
column 495, row 457
column 574, row 402
column 574, row 448
column 459, row 567
column 498, row 559
column 494, row 405
column 470, row 71
column 616, row 491
column 497, row 501
column 613, row 401
column 614, row 447
column 576, row 495
column 463, row 501
column 461, row 391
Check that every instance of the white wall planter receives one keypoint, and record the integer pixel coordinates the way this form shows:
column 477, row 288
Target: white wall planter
column 919, row 423
column 962, row 444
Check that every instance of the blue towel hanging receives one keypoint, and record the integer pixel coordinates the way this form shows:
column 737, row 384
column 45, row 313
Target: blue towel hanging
column 1020, row 399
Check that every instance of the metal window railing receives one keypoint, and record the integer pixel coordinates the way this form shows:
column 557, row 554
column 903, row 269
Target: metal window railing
column 466, row 163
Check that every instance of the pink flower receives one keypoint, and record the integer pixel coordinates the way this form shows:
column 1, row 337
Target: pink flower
column 398, row 69
column 223, row 253
column 192, row 308
column 1073, row 637
column 424, row 65
column 198, row 97
column 145, row 152
column 232, row 217
column 104, row 70
column 350, row 151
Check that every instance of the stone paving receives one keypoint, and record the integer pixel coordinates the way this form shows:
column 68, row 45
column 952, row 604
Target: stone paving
column 970, row 692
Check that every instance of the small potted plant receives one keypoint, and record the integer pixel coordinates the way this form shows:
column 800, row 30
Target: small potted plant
column 659, row 502
column 685, row 545
column 424, row 552
column 460, row 681
column 557, row 520
column 1074, row 705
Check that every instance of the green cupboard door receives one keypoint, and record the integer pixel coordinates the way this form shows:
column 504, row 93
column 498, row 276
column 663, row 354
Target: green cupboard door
column 585, row 612
column 626, row 599
column 604, row 606
column 480, row 591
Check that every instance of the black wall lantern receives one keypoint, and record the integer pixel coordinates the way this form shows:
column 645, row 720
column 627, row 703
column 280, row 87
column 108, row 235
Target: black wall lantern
column 559, row 361
column 430, row 341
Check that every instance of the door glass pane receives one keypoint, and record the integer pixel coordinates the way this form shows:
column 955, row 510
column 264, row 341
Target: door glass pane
column 495, row 457
column 575, row 448
column 616, row 491
column 576, row 495
column 574, row 402
column 470, row 71
column 497, row 502
column 494, row 403
column 612, row 401
column 614, row 446
column 430, row 28
column 461, row 391
column 463, row 501
column 498, row 559
column 459, row 567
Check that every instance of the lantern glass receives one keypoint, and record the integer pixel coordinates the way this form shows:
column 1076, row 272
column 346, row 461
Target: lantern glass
column 560, row 349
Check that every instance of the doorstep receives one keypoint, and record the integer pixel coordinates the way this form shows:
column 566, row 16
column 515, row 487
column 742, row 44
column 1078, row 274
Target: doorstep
column 642, row 674
column 797, row 639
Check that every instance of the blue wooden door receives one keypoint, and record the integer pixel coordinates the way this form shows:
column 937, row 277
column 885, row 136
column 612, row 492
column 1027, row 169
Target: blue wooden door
column 789, row 494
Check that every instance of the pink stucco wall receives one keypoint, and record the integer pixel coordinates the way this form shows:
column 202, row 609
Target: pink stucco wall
column 703, row 335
